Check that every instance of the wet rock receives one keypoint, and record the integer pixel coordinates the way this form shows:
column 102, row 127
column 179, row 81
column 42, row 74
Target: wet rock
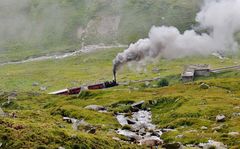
column 122, row 120
column 131, row 122
column 141, row 128
column 129, row 134
column 153, row 102
column 151, row 141
column 173, row 146
column 95, row 108
column 137, row 105
column 220, row 118
column 92, row 130
column 204, row 86
column 190, row 145
column 2, row 114
column 233, row 134
column 143, row 120
column 75, row 122
column 204, row 128
column 212, row 144
column 157, row 134
column 67, row 119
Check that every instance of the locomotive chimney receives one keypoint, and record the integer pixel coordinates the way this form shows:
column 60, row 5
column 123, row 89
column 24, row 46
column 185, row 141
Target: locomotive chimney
column 114, row 75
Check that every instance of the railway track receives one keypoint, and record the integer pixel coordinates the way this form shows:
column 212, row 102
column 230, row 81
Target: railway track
column 218, row 70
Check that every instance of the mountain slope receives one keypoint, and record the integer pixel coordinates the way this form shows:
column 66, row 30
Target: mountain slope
column 34, row 27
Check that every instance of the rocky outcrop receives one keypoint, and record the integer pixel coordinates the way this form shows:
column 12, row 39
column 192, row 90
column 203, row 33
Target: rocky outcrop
column 212, row 144
column 96, row 108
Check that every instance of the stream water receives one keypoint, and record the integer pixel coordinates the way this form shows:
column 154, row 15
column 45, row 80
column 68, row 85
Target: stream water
column 85, row 49
column 141, row 130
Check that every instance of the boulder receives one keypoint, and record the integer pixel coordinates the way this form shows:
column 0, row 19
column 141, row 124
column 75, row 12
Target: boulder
column 95, row 108
column 75, row 122
column 35, row 84
column 116, row 138
column 151, row 141
column 130, row 121
column 212, row 144
column 129, row 134
column 11, row 98
column 233, row 134
column 179, row 136
column 43, row 88
column 173, row 146
column 204, row 86
column 204, row 128
column 92, row 130
column 220, row 118
column 157, row 134
column 122, row 120
column 217, row 128
column 137, row 105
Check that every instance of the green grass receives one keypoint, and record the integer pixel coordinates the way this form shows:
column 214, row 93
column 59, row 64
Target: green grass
column 184, row 107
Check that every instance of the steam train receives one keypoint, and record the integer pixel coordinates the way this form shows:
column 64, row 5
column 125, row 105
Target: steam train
column 77, row 90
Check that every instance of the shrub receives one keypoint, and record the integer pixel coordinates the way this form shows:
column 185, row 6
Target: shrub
column 162, row 83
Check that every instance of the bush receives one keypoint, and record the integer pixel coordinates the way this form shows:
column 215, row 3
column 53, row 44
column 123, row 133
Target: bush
column 162, row 83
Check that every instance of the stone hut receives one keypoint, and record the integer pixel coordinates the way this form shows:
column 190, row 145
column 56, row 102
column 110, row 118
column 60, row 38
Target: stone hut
column 191, row 71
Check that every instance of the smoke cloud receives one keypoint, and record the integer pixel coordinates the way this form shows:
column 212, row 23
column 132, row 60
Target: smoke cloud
column 221, row 19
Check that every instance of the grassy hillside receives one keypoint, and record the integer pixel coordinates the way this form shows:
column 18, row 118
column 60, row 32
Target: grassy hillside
column 60, row 25
column 185, row 107
column 36, row 119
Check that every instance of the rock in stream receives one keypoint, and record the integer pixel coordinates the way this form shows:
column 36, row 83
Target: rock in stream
column 141, row 130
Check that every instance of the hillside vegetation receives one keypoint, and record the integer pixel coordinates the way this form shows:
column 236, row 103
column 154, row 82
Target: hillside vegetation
column 61, row 25
column 35, row 118
column 184, row 107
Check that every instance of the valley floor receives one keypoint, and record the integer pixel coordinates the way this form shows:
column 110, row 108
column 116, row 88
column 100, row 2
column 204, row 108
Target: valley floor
column 35, row 119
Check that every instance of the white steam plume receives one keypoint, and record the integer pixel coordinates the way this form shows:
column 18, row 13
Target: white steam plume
column 220, row 17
